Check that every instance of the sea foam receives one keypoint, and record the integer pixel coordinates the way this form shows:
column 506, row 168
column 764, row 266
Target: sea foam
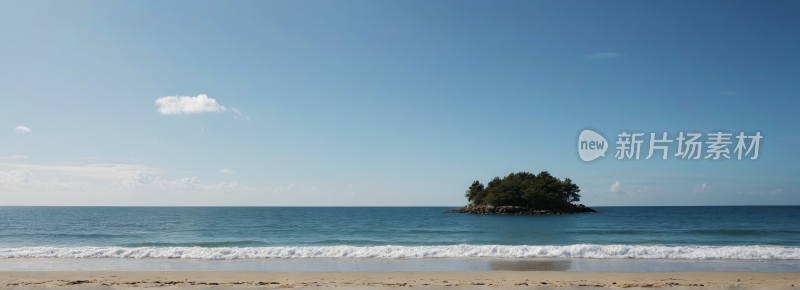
column 454, row 251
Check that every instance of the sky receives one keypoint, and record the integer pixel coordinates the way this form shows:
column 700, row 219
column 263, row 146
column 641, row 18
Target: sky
column 389, row 103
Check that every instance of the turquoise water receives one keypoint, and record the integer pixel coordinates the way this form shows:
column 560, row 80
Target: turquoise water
column 757, row 232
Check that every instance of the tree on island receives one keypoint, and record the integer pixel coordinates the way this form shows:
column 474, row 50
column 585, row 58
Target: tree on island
column 524, row 189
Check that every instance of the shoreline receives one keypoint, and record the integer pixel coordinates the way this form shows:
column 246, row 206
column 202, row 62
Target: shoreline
column 400, row 265
column 330, row 265
column 471, row 279
column 519, row 210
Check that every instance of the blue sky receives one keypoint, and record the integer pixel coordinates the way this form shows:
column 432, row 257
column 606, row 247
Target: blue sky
column 388, row 103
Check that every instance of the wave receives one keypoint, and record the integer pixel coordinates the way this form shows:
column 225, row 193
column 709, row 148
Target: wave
column 199, row 244
column 454, row 251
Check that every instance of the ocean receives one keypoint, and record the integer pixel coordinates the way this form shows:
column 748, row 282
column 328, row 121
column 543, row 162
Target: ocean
column 740, row 237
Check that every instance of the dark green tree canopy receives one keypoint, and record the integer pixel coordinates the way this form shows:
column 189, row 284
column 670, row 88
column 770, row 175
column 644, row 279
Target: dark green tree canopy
column 542, row 191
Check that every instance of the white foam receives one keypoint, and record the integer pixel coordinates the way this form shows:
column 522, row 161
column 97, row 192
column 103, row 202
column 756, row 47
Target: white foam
column 455, row 251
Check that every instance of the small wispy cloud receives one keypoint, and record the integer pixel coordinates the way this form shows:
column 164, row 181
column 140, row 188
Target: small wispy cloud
column 227, row 171
column 294, row 189
column 701, row 188
column 175, row 105
column 615, row 187
column 729, row 93
column 88, row 158
column 18, row 157
column 618, row 190
column 141, row 180
column 238, row 114
column 130, row 159
column 288, row 188
column 124, row 177
column 94, row 171
column 22, row 130
column 601, row 55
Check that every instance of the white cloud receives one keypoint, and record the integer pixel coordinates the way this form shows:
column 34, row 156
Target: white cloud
column 227, row 171
column 22, row 130
column 16, row 178
column 184, row 183
column 111, row 172
column 24, row 179
column 130, row 159
column 288, row 188
column 15, row 157
column 122, row 177
column 140, row 180
column 292, row 188
column 601, row 55
column 239, row 114
column 776, row 192
column 615, row 187
column 619, row 190
column 226, row 186
column 701, row 188
column 74, row 185
column 88, row 158
column 188, row 105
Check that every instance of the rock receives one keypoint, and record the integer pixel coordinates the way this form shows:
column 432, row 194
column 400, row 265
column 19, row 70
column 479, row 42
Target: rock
column 516, row 210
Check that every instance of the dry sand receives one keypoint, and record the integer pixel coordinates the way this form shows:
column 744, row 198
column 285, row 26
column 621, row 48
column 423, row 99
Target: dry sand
column 367, row 280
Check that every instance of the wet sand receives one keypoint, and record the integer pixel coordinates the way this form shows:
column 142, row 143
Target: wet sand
column 369, row 280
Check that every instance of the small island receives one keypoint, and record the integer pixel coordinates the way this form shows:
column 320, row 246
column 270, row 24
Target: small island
column 524, row 193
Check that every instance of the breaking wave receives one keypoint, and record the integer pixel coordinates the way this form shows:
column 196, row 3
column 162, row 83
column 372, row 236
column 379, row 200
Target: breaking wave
column 454, row 251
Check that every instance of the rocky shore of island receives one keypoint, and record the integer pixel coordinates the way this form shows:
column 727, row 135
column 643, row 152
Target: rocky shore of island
column 520, row 210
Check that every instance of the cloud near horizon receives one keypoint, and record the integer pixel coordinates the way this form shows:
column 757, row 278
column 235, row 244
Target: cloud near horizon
column 227, row 171
column 15, row 177
column 122, row 177
column 130, row 159
column 615, row 187
column 20, row 157
column 140, row 180
column 176, row 105
column 701, row 188
column 24, row 179
column 110, row 172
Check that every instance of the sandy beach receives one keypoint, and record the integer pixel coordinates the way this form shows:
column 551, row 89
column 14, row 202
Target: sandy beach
column 472, row 280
